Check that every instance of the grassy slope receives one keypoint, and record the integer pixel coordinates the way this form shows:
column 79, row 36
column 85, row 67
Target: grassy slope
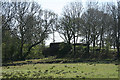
column 66, row 70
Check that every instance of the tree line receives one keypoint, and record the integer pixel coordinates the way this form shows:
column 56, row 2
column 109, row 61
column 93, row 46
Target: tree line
column 26, row 26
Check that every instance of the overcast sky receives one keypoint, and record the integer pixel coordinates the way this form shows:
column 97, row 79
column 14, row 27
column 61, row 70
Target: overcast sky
column 57, row 6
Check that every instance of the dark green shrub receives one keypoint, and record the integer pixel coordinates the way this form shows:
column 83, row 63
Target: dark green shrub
column 64, row 49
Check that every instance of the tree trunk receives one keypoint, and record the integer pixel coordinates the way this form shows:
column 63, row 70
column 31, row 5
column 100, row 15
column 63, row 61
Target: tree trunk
column 53, row 36
column 88, row 47
column 118, row 51
column 28, row 51
column 69, row 39
column 100, row 46
column 101, row 39
column 93, row 44
column 118, row 38
column 21, row 49
column 74, row 46
column 118, row 42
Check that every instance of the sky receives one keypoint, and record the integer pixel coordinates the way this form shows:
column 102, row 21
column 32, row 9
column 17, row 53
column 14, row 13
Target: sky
column 57, row 7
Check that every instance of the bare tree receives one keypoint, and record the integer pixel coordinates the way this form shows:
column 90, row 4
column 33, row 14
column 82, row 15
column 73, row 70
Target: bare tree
column 68, row 24
column 114, row 12
column 118, row 37
column 7, row 22
column 44, row 28
column 28, row 22
column 91, row 25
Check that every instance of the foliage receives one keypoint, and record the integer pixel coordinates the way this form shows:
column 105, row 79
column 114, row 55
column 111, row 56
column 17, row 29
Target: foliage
column 26, row 26
column 65, row 49
column 10, row 47
column 36, row 53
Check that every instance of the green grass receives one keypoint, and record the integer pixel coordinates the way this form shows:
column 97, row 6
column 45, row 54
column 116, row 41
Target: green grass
column 66, row 70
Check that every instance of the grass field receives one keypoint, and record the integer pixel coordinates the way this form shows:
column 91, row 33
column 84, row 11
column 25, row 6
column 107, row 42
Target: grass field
column 64, row 70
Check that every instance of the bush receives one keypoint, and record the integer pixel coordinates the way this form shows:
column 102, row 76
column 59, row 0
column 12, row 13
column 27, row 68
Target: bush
column 64, row 49
column 36, row 53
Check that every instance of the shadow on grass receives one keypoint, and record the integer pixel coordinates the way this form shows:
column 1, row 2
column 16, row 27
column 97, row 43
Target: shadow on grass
column 61, row 79
column 61, row 61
